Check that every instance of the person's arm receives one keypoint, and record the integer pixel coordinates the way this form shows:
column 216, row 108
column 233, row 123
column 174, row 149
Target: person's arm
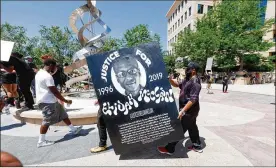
column 9, row 69
column 57, row 94
column 51, row 85
column 173, row 82
column 193, row 99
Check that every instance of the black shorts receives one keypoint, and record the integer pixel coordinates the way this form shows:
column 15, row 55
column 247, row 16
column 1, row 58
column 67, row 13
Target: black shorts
column 9, row 78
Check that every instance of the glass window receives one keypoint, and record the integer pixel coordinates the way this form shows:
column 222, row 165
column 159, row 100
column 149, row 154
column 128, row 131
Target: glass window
column 190, row 11
column 189, row 26
column 176, row 12
column 173, row 15
column 185, row 15
column 185, row 1
column 175, row 25
column 181, row 19
column 178, row 8
column 182, row 3
column 210, row 8
column 178, row 22
column 200, row 9
column 175, row 38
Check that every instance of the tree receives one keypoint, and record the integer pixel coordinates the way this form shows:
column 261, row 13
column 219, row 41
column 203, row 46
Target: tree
column 241, row 29
column 169, row 61
column 111, row 44
column 59, row 43
column 138, row 35
column 229, row 32
column 15, row 34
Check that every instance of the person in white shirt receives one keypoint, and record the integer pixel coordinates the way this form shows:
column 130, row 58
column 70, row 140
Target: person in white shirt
column 46, row 99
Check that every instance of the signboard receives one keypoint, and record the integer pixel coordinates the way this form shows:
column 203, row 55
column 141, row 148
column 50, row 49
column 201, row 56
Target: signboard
column 136, row 98
column 6, row 50
column 209, row 64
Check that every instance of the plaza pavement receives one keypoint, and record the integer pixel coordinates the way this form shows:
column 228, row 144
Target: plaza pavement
column 236, row 129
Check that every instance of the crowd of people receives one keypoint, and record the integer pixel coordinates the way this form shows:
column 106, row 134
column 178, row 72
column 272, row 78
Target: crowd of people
column 18, row 81
column 20, row 76
column 43, row 83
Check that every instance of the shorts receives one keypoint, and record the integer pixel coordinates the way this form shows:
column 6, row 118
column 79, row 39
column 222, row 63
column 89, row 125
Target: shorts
column 52, row 113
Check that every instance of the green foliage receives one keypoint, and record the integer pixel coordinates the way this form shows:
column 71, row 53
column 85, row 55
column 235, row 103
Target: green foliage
column 52, row 40
column 15, row 34
column 138, row 35
column 58, row 42
column 111, row 44
column 169, row 61
column 135, row 36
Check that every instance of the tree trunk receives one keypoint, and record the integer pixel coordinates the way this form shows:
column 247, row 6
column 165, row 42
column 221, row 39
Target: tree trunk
column 241, row 63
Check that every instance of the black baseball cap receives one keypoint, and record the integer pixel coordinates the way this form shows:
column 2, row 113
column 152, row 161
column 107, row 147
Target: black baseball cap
column 193, row 65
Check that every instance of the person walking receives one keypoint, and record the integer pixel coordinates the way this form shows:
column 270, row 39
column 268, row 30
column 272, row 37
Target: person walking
column 188, row 107
column 9, row 84
column 225, row 83
column 102, row 132
column 209, row 82
column 46, row 98
column 216, row 77
column 25, row 76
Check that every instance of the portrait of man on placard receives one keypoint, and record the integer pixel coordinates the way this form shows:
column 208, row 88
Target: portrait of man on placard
column 128, row 75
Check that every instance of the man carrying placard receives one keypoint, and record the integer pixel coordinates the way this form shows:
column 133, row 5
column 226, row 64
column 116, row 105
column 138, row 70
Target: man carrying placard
column 189, row 108
column 102, row 133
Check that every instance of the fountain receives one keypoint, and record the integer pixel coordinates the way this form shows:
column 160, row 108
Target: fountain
column 82, row 111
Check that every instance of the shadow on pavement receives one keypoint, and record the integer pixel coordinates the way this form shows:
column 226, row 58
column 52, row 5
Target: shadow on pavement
column 8, row 127
column 67, row 137
column 152, row 152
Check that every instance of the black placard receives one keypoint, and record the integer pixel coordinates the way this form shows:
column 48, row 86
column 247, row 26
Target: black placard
column 135, row 96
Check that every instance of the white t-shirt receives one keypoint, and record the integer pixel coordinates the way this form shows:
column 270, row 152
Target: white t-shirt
column 43, row 80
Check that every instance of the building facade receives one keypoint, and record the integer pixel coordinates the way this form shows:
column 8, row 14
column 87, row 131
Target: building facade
column 271, row 35
column 183, row 15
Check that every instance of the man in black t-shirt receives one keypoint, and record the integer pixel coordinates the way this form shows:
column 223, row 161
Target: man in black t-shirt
column 188, row 107
column 25, row 76
column 225, row 83
column 58, row 77
column 29, row 61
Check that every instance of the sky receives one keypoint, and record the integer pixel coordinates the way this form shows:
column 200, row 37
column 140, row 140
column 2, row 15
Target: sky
column 118, row 15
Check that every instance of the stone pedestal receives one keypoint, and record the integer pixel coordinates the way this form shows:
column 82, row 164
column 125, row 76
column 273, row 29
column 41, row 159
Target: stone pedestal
column 81, row 112
column 241, row 81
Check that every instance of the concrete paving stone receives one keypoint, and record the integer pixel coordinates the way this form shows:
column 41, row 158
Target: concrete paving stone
column 236, row 129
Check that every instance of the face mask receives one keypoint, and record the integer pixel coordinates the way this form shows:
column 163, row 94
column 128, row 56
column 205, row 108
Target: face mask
column 188, row 73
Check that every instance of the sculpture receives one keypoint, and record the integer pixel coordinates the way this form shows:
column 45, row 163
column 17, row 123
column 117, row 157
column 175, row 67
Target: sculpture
column 90, row 46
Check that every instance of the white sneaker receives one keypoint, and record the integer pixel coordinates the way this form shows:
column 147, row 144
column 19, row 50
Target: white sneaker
column 77, row 130
column 45, row 143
